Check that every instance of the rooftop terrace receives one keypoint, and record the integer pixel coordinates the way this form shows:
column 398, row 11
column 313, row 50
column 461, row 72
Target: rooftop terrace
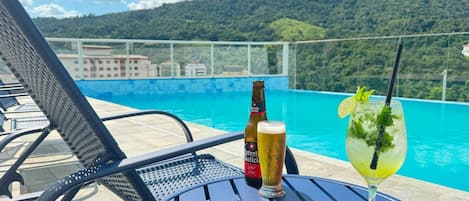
column 433, row 67
column 52, row 160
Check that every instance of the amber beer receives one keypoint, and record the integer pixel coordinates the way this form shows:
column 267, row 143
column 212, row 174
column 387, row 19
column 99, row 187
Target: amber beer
column 271, row 147
column 252, row 169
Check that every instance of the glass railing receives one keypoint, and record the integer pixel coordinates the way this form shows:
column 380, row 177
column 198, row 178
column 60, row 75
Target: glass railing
column 432, row 66
column 91, row 59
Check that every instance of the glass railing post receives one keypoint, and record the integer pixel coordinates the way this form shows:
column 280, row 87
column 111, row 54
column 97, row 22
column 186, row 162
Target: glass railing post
column 292, row 69
column 171, row 50
column 80, row 58
column 127, row 59
column 249, row 60
column 212, row 56
column 285, row 59
column 445, row 79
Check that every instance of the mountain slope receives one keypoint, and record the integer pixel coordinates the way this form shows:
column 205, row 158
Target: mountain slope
column 250, row 20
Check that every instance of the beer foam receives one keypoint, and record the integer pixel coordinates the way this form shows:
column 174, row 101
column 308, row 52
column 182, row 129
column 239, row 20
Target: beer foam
column 271, row 127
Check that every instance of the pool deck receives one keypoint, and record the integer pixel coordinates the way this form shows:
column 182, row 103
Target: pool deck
column 138, row 135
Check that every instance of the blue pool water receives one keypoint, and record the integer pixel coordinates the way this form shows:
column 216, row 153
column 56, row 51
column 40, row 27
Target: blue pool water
column 438, row 133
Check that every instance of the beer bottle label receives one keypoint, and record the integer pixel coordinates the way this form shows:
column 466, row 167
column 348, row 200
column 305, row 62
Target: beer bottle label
column 254, row 109
column 258, row 107
column 252, row 168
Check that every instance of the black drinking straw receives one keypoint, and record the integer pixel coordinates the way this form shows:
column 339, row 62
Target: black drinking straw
column 387, row 103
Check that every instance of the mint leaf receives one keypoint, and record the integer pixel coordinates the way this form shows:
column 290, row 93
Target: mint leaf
column 357, row 130
column 362, row 94
column 362, row 124
column 384, row 117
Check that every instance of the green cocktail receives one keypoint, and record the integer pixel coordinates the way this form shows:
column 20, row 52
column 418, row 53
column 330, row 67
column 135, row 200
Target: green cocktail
column 370, row 119
column 361, row 139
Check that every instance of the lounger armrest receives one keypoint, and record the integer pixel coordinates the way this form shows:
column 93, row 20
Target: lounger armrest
column 11, row 135
column 96, row 172
column 185, row 128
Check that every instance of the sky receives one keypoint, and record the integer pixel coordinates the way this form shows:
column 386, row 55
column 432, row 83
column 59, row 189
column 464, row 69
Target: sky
column 73, row 8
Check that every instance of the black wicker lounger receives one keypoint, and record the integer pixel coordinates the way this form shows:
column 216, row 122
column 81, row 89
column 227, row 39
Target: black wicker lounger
column 146, row 177
column 8, row 101
column 8, row 94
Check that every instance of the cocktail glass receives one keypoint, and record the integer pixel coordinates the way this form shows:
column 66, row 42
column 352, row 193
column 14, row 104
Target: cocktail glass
column 362, row 135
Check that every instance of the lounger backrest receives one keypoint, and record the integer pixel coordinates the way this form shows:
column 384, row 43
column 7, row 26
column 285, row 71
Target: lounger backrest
column 30, row 58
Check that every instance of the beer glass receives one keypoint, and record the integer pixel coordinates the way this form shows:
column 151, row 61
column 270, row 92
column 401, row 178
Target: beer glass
column 271, row 150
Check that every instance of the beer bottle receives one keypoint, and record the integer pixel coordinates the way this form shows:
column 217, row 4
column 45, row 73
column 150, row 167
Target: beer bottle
column 252, row 169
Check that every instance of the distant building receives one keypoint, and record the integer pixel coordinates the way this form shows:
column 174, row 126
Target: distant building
column 100, row 63
column 465, row 50
column 234, row 70
column 195, row 69
column 164, row 69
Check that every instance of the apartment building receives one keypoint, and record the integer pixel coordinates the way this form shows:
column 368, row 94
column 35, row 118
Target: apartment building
column 168, row 69
column 100, row 63
column 195, row 70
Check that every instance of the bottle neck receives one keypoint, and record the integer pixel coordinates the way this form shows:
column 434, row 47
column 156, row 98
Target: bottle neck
column 258, row 102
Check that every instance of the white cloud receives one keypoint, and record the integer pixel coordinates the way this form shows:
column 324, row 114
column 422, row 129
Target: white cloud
column 53, row 10
column 27, row 2
column 146, row 4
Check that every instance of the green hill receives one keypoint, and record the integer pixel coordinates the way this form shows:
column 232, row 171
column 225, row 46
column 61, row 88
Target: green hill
column 251, row 20
column 294, row 30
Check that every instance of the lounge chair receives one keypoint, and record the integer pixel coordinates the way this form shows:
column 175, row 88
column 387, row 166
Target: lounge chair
column 8, row 94
column 144, row 177
column 8, row 101
column 19, row 123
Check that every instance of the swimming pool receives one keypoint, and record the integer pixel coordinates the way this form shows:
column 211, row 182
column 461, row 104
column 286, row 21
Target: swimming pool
column 438, row 133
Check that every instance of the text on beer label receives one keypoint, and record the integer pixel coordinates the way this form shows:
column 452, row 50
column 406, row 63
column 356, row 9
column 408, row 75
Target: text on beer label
column 252, row 170
column 250, row 152
column 251, row 160
column 254, row 109
column 257, row 106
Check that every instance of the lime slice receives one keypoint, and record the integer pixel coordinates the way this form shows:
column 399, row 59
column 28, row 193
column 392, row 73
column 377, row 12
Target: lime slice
column 347, row 106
